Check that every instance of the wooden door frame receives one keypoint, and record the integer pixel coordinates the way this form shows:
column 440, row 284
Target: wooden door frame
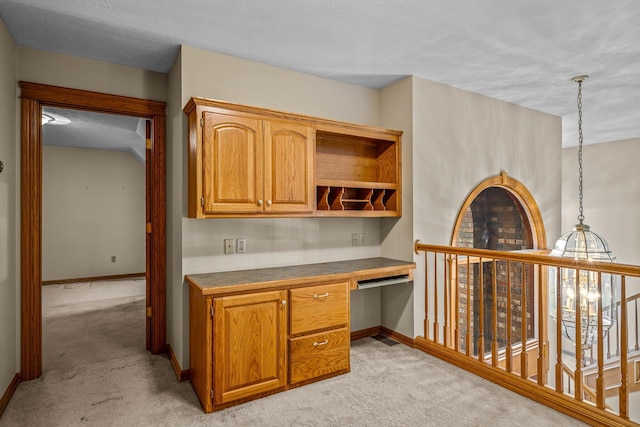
column 33, row 97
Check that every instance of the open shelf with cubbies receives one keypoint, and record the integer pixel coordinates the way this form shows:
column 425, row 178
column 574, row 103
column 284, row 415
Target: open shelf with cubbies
column 357, row 174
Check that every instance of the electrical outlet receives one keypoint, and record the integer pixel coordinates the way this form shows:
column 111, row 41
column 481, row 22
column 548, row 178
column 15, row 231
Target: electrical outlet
column 229, row 246
column 354, row 239
column 113, row 258
column 361, row 239
column 241, row 245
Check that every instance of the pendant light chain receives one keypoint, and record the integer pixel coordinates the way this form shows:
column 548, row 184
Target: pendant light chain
column 580, row 79
column 595, row 292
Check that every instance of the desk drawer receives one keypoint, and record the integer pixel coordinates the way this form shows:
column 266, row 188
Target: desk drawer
column 320, row 354
column 315, row 308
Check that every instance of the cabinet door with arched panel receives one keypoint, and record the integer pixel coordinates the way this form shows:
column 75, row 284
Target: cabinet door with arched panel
column 232, row 164
column 289, row 167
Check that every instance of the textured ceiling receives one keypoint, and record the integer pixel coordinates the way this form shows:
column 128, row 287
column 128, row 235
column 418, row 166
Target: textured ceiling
column 523, row 52
column 87, row 129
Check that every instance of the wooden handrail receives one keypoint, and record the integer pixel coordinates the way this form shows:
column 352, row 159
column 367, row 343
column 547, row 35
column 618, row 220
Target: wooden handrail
column 612, row 362
column 630, row 299
column 540, row 257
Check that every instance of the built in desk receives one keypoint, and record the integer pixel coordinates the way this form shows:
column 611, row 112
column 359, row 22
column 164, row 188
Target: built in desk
column 257, row 332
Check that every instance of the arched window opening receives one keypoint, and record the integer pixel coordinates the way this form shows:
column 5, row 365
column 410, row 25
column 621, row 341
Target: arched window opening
column 499, row 214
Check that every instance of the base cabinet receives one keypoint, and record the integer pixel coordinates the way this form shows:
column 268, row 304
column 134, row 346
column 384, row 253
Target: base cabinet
column 319, row 354
column 247, row 346
column 319, row 331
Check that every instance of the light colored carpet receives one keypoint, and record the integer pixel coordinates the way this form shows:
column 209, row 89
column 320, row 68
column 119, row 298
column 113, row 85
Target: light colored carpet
column 106, row 381
column 90, row 322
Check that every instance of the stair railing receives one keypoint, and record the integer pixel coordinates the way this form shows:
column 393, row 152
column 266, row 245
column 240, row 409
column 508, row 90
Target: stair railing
column 488, row 312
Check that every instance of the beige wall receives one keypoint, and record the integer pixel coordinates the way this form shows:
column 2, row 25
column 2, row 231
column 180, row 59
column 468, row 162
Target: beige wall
column 397, row 233
column 93, row 207
column 177, row 317
column 461, row 138
column 611, row 196
column 39, row 66
column 270, row 242
column 214, row 75
column 456, row 140
column 9, row 199
column 611, row 190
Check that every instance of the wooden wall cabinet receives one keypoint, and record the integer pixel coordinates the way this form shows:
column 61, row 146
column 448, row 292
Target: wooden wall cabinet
column 249, row 161
column 242, row 163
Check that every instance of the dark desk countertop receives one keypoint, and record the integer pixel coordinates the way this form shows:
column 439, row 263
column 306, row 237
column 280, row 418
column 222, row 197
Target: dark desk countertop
column 228, row 282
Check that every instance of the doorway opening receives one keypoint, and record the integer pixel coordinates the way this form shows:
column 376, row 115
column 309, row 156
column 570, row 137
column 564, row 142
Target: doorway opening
column 93, row 236
column 35, row 97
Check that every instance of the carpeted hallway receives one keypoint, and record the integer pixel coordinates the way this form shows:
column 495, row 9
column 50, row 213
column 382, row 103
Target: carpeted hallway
column 97, row 373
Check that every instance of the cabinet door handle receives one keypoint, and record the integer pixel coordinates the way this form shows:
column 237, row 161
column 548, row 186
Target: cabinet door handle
column 318, row 344
column 284, row 302
column 316, row 296
column 268, row 202
column 260, row 202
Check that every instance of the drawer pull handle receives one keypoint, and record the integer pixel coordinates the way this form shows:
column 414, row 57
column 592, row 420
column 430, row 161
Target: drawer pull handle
column 316, row 296
column 318, row 344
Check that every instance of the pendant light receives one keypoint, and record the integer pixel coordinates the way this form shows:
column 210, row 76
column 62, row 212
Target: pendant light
column 579, row 288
